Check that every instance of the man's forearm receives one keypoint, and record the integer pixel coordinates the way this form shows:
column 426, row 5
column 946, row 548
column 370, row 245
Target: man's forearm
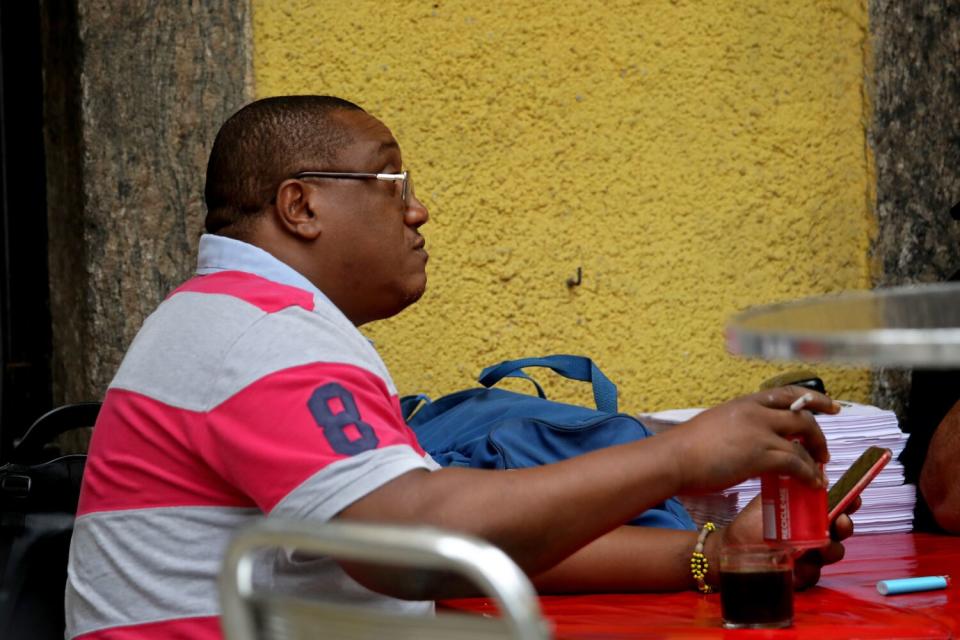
column 940, row 477
column 539, row 515
column 626, row 559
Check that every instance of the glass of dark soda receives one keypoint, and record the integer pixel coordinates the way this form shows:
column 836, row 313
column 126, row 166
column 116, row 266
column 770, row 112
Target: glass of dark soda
column 756, row 586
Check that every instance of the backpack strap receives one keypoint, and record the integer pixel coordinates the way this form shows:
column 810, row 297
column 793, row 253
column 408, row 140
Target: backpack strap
column 572, row 367
column 523, row 374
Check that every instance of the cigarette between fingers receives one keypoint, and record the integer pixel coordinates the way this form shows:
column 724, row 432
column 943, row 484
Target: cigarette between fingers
column 801, row 402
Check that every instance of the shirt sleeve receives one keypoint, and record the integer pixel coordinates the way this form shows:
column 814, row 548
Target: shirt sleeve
column 307, row 441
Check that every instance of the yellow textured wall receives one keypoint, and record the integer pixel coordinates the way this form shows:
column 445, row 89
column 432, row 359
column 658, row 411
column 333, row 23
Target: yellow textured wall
column 693, row 158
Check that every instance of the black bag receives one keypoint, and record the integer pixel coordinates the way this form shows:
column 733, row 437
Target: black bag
column 39, row 490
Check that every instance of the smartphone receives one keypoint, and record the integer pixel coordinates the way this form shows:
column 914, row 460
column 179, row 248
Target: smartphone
column 855, row 479
column 799, row 378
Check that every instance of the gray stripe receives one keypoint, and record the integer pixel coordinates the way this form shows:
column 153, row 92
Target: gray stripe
column 321, row 578
column 197, row 349
column 147, row 565
column 327, row 492
column 180, row 347
column 150, row 565
column 341, row 483
column 291, row 338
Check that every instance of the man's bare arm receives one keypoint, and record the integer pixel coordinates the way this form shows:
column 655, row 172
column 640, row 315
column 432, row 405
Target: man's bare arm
column 627, row 559
column 542, row 515
column 940, row 476
column 648, row 559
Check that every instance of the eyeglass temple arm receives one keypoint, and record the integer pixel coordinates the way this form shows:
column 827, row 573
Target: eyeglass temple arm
column 335, row 174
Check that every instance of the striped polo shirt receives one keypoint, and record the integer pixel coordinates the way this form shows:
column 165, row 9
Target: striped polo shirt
column 247, row 392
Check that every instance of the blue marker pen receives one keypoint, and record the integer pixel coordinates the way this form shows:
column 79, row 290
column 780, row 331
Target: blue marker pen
column 911, row 585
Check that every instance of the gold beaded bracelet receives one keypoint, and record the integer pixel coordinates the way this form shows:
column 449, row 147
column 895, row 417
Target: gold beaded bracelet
column 698, row 562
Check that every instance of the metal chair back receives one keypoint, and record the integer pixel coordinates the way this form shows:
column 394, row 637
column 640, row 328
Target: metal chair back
column 251, row 614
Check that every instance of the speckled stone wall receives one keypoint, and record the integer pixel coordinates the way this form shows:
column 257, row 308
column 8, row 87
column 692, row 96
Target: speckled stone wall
column 134, row 93
column 692, row 159
column 915, row 136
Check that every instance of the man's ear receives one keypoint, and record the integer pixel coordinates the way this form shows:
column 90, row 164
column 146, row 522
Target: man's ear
column 294, row 210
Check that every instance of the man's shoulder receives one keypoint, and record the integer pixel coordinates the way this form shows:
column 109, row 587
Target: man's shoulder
column 266, row 295
column 217, row 334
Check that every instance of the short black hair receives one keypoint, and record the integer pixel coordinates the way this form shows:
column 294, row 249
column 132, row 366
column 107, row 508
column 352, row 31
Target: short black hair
column 261, row 145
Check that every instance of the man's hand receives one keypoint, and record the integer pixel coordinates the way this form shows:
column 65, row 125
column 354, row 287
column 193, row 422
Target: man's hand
column 747, row 528
column 750, row 436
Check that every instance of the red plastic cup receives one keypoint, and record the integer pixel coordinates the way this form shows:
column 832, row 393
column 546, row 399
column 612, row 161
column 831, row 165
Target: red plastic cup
column 794, row 513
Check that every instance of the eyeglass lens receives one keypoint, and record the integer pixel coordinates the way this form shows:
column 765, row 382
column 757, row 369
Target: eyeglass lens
column 406, row 189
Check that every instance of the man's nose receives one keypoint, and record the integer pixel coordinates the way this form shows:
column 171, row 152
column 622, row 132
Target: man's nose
column 416, row 213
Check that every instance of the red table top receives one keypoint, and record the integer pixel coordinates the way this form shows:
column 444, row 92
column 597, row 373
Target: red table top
column 844, row 604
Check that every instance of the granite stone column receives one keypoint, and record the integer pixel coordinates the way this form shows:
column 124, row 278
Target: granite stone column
column 915, row 138
column 134, row 93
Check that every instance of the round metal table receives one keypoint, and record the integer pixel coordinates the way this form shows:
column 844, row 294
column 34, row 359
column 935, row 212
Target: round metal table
column 908, row 326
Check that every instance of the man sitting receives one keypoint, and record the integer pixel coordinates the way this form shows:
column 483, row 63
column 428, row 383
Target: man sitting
column 250, row 391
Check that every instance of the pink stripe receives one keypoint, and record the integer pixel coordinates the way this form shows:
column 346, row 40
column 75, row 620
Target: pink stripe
column 266, row 440
column 141, row 455
column 207, row 628
column 251, row 450
column 267, row 295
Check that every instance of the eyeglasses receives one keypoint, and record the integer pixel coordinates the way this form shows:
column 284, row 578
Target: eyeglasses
column 406, row 182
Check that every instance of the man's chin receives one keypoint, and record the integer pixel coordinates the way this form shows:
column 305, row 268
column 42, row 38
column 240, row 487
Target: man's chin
column 406, row 299
column 415, row 294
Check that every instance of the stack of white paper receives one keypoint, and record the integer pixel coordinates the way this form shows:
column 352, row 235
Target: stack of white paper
column 887, row 503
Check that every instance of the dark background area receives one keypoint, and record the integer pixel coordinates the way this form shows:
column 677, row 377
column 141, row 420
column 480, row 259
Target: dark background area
column 25, row 341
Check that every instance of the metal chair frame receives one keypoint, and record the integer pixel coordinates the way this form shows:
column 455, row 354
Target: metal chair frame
column 246, row 611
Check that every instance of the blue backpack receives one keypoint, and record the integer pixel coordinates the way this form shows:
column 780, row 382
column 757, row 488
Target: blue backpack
column 488, row 428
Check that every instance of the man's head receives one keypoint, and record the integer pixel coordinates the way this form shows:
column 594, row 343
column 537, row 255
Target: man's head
column 355, row 238
column 262, row 144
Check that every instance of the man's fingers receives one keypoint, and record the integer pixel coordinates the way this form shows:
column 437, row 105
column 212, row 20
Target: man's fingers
column 854, row 505
column 805, row 574
column 813, row 439
column 842, row 527
column 806, row 567
column 831, row 553
column 796, row 462
column 797, row 423
column 784, row 397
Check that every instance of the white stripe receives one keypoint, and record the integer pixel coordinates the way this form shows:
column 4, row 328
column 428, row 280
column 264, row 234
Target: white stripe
column 142, row 566
column 147, row 565
column 180, row 347
column 327, row 492
column 199, row 349
column 290, row 338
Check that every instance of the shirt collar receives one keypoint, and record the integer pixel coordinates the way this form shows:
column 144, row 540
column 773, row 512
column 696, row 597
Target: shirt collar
column 219, row 253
